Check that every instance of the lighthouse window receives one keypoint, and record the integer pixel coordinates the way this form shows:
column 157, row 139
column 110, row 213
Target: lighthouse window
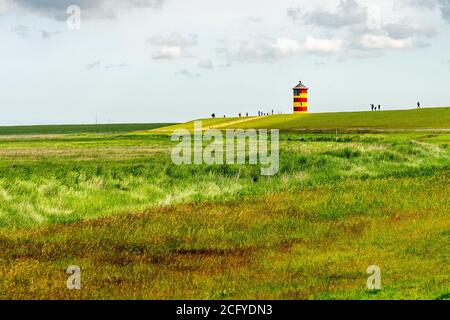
column 296, row 92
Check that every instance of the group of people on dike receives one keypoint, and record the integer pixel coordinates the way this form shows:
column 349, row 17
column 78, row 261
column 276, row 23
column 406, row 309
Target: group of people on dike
column 260, row 114
column 375, row 108
column 240, row 115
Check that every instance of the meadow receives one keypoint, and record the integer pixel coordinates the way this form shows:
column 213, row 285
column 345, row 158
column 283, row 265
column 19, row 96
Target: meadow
column 141, row 227
column 78, row 128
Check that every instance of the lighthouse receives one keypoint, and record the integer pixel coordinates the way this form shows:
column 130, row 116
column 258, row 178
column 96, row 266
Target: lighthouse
column 300, row 98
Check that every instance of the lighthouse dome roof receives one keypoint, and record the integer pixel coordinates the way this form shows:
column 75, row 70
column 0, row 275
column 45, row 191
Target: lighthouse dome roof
column 300, row 86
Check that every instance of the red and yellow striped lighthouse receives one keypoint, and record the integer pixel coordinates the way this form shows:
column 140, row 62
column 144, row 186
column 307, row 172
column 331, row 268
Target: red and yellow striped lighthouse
column 300, row 98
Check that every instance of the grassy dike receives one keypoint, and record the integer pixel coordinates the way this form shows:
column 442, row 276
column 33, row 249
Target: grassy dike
column 399, row 120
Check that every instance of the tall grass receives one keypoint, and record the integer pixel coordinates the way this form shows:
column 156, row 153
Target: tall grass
column 62, row 181
column 314, row 243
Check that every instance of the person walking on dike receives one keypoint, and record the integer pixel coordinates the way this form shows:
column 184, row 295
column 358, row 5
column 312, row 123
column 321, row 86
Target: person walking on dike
column 379, row 107
column 418, row 105
column 373, row 107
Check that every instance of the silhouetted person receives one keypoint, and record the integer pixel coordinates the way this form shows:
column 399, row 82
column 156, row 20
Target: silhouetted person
column 373, row 107
column 213, row 115
column 240, row 115
column 246, row 114
column 418, row 105
column 379, row 107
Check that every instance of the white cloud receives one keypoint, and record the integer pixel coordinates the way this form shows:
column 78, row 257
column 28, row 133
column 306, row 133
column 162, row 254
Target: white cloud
column 255, row 50
column 442, row 5
column 347, row 13
column 94, row 65
column 117, row 66
column 168, row 52
column 425, row 4
column 174, row 46
column 5, row 5
column 445, row 9
column 394, row 25
column 48, row 34
column 188, row 73
column 90, row 8
column 263, row 49
column 288, row 47
column 404, row 30
column 22, row 31
column 99, row 64
column 370, row 41
column 324, row 46
column 206, row 64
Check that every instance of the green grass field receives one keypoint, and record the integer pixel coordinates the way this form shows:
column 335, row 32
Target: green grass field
column 141, row 227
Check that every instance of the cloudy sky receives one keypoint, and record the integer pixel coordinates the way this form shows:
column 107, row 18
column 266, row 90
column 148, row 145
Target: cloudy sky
column 176, row 60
